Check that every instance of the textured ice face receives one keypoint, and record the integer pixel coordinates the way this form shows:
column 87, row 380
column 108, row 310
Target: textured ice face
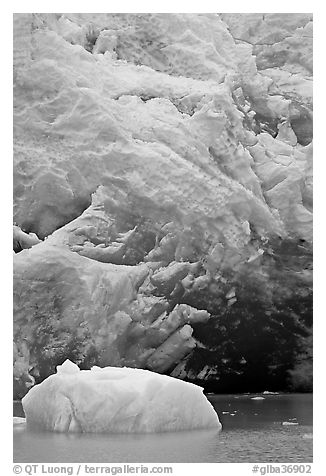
column 116, row 400
column 178, row 133
column 166, row 161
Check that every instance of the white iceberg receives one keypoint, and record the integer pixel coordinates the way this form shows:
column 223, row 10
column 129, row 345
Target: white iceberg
column 19, row 423
column 116, row 400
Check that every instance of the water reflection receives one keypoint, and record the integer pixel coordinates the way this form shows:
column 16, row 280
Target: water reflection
column 241, row 411
column 252, row 431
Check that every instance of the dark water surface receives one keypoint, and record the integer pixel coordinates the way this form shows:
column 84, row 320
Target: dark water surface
column 253, row 431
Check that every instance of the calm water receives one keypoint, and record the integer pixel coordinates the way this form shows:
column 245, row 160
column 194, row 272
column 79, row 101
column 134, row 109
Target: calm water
column 252, row 432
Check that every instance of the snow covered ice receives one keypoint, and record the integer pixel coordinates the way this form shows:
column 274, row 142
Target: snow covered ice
column 116, row 400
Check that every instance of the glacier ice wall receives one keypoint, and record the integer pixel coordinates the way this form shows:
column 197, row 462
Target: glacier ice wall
column 163, row 171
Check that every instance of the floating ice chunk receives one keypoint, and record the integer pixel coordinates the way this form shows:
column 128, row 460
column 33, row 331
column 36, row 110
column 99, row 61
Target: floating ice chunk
column 270, row 393
column 257, row 398
column 116, row 400
column 19, row 422
column 287, row 423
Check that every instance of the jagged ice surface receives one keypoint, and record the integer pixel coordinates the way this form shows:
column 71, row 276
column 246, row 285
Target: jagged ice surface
column 162, row 160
